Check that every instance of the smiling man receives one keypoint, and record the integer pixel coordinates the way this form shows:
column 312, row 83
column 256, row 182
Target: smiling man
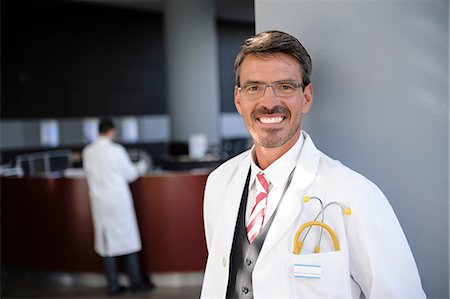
column 273, row 117
column 283, row 220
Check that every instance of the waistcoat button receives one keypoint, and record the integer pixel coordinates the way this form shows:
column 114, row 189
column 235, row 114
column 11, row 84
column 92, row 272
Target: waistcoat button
column 224, row 262
column 248, row 261
column 245, row 290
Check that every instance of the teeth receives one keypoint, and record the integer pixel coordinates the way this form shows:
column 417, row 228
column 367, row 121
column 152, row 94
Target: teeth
column 271, row 120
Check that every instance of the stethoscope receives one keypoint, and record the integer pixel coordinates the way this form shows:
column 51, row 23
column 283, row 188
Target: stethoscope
column 308, row 225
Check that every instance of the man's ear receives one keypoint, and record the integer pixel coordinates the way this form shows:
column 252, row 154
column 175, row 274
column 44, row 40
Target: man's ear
column 307, row 98
column 237, row 99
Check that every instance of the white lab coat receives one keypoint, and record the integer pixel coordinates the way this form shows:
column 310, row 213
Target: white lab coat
column 109, row 171
column 374, row 256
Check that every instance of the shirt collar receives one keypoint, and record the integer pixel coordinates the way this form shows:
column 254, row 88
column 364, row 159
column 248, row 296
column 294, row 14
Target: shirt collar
column 278, row 171
column 103, row 140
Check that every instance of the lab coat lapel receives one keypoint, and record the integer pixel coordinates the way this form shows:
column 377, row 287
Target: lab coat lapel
column 226, row 225
column 291, row 205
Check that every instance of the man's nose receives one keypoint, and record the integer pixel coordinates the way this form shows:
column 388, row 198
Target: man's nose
column 269, row 98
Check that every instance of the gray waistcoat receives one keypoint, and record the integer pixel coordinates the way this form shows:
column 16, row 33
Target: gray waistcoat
column 243, row 254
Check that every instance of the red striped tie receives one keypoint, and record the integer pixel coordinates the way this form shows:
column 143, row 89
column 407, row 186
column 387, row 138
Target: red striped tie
column 255, row 222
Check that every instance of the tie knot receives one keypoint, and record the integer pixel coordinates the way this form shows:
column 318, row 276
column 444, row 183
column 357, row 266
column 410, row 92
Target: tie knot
column 262, row 182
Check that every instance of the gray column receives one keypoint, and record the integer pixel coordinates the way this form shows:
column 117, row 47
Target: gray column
column 192, row 68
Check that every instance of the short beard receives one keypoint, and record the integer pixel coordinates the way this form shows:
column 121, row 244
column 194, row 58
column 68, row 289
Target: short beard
column 272, row 141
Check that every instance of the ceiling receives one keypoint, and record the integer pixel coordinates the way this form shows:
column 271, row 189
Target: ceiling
column 236, row 10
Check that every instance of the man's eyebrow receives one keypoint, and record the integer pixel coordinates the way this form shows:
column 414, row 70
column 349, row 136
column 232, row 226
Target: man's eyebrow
column 279, row 81
column 251, row 82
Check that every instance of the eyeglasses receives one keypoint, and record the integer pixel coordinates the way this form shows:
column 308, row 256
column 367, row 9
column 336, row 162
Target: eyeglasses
column 284, row 89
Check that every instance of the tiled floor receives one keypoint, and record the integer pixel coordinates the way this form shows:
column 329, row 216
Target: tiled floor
column 19, row 284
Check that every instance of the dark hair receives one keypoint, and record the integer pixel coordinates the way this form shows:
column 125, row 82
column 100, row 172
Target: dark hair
column 105, row 125
column 269, row 43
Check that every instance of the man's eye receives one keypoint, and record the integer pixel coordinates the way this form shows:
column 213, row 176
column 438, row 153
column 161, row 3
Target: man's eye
column 252, row 88
column 286, row 87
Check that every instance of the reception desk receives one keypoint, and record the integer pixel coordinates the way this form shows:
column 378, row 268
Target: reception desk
column 46, row 223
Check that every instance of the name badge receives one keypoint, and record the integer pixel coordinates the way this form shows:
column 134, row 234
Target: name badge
column 307, row 271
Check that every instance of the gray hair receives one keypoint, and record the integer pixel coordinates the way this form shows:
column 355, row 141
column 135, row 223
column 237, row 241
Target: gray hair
column 269, row 43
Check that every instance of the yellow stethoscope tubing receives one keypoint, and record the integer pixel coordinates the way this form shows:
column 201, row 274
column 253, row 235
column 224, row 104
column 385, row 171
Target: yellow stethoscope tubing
column 299, row 244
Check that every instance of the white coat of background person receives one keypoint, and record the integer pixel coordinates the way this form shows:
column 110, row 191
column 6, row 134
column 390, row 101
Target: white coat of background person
column 109, row 170
column 272, row 92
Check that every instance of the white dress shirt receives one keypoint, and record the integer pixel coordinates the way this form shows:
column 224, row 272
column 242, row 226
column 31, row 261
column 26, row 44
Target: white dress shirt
column 276, row 174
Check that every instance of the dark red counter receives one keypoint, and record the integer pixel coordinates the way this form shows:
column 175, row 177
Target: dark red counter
column 46, row 223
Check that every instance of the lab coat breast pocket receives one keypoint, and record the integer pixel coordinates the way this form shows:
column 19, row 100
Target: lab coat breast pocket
column 324, row 275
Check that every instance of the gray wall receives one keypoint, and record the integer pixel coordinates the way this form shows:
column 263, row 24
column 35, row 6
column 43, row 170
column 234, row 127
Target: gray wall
column 380, row 76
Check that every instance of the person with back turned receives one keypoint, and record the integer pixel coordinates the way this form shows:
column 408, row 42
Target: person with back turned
column 283, row 220
column 109, row 171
